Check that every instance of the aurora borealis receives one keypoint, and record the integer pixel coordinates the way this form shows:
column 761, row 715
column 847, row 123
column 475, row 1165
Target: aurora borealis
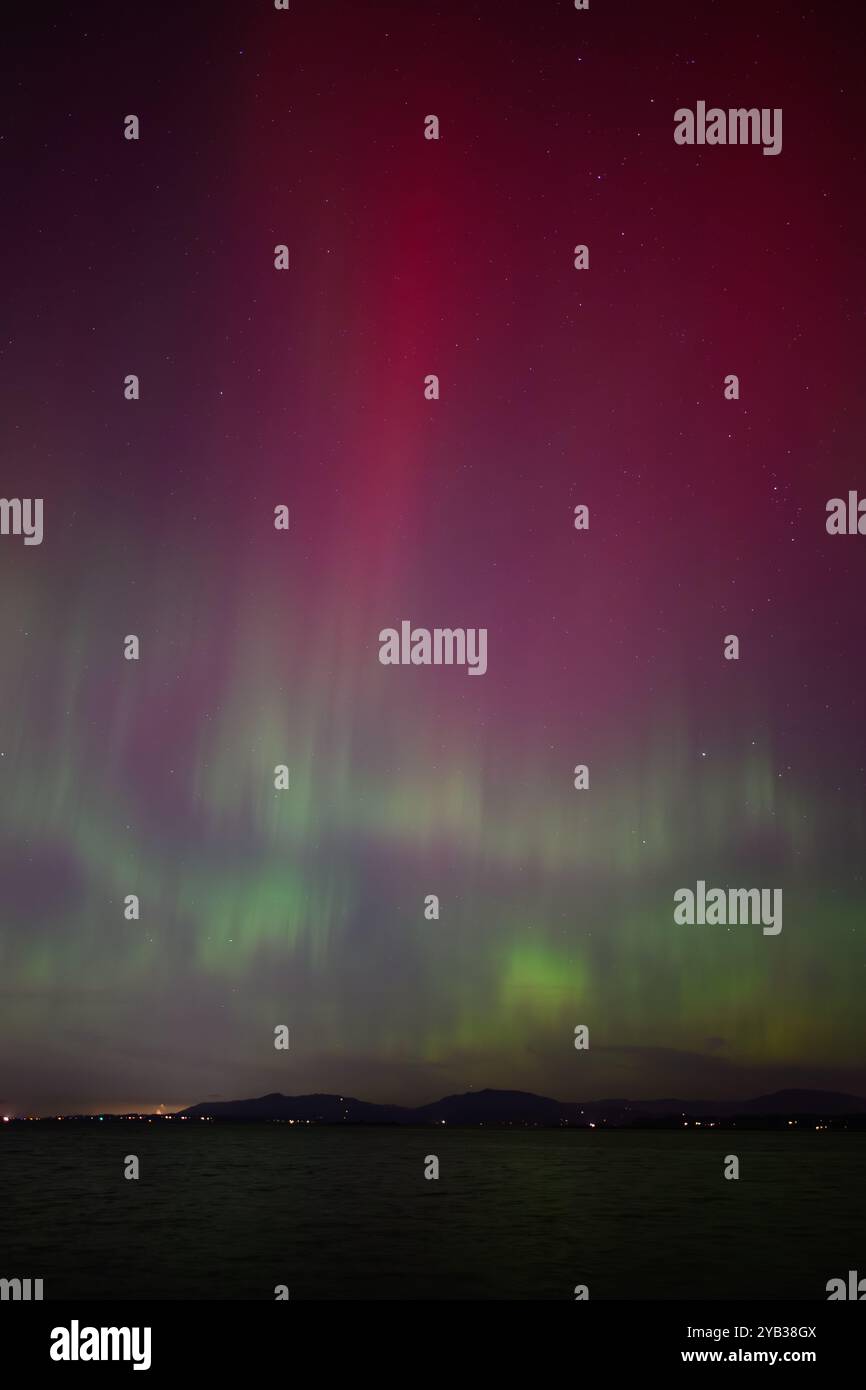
column 259, row 647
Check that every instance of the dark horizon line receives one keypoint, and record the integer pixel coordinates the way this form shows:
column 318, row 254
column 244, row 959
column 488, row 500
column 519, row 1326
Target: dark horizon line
column 519, row 1107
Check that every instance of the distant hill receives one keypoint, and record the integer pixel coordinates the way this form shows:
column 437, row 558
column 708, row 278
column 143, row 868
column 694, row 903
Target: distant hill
column 323, row 1109
column 522, row 1108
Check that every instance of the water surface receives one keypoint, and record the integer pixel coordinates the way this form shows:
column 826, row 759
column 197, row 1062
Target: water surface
column 228, row 1212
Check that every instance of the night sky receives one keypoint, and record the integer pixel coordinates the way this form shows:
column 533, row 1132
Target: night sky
column 259, row 647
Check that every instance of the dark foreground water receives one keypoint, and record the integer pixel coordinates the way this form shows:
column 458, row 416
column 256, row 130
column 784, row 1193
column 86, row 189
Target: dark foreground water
column 224, row 1212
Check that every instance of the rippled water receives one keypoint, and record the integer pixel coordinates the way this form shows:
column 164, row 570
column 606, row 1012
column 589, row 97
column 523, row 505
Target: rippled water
column 229, row 1212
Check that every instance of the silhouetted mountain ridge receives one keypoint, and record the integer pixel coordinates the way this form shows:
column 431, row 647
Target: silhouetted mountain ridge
column 491, row 1107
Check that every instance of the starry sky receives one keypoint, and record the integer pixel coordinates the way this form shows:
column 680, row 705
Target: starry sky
column 259, row 647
